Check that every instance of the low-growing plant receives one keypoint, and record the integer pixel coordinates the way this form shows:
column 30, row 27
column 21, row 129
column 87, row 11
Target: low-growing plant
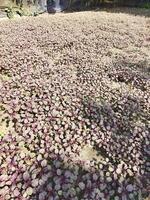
column 19, row 12
column 10, row 12
column 25, row 12
column 146, row 5
column 1, row 134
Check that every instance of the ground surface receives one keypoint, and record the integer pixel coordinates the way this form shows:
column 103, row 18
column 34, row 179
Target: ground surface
column 75, row 107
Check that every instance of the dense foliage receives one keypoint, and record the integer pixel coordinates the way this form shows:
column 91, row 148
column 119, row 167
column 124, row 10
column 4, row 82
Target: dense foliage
column 81, row 3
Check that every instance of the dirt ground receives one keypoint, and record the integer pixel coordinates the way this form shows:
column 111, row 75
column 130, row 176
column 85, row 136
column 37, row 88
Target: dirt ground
column 74, row 106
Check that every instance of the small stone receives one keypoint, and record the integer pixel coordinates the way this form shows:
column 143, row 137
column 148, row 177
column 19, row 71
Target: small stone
column 49, row 187
column 119, row 170
column 95, row 177
column 131, row 195
column 55, row 113
column 124, row 197
column 59, row 172
column 81, row 185
column 111, row 169
column 116, row 198
column 57, row 187
column 109, row 179
column 121, row 179
column 60, row 192
column 47, row 108
column 56, row 127
column 35, row 182
column 101, row 195
column 26, row 176
column 73, row 126
column 42, row 151
column 7, row 197
column 16, row 192
column 29, row 191
column 130, row 188
column 44, row 163
column 115, row 176
column 22, row 155
column 119, row 189
column 39, row 157
column 135, row 168
column 68, row 174
column 21, row 144
column 42, row 195
column 102, row 186
column 130, row 172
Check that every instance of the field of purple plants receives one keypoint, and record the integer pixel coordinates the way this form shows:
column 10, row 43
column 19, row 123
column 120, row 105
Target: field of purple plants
column 75, row 107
